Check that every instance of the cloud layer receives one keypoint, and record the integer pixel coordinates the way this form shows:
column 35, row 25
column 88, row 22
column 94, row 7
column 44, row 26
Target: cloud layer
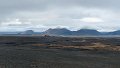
column 39, row 15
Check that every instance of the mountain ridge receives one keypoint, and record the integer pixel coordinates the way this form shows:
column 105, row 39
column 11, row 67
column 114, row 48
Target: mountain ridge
column 65, row 32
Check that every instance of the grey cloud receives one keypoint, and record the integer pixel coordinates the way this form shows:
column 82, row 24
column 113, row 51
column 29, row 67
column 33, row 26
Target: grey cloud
column 53, row 13
column 43, row 4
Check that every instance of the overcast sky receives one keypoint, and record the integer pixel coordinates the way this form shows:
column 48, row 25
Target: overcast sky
column 39, row 15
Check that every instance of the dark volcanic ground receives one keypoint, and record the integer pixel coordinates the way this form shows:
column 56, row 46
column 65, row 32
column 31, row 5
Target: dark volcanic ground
column 41, row 52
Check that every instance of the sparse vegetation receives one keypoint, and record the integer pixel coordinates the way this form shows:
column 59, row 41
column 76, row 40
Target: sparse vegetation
column 59, row 52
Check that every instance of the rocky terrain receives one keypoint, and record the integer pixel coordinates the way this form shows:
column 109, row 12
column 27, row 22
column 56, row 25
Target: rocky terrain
column 59, row 52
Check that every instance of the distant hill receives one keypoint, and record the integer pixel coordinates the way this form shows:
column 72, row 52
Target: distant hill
column 58, row 31
column 86, row 32
column 29, row 32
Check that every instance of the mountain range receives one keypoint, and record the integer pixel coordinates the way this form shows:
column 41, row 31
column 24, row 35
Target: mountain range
column 64, row 32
